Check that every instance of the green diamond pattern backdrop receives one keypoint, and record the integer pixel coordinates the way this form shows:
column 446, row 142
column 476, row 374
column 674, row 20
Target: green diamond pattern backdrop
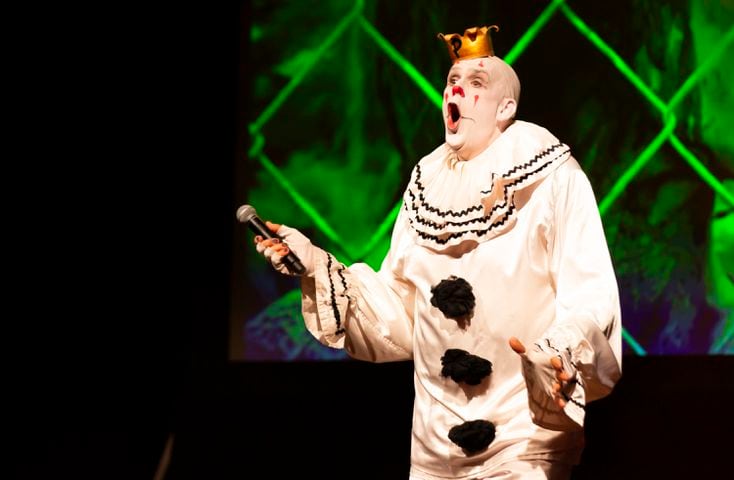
column 337, row 132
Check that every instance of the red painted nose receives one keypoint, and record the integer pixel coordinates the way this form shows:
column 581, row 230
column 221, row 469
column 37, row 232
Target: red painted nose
column 457, row 89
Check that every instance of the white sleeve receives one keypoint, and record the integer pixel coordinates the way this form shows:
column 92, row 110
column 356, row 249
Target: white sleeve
column 586, row 332
column 366, row 312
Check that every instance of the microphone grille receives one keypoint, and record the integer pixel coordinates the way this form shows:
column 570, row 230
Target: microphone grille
column 245, row 213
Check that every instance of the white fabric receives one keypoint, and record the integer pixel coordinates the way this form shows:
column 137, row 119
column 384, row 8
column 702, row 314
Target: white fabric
column 524, row 470
column 544, row 275
column 449, row 201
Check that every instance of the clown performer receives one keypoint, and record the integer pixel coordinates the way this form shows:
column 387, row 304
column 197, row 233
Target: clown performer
column 498, row 285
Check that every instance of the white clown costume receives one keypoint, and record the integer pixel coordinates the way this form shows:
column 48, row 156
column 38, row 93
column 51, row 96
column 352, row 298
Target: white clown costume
column 499, row 236
column 520, row 224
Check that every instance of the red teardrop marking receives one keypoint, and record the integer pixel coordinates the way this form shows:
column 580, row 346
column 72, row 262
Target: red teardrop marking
column 446, row 96
column 481, row 63
column 476, row 97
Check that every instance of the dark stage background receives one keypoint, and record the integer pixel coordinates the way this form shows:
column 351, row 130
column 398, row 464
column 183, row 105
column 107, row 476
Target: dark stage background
column 135, row 352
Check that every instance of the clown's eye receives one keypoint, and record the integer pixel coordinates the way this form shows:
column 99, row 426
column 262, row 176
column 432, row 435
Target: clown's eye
column 477, row 84
column 452, row 80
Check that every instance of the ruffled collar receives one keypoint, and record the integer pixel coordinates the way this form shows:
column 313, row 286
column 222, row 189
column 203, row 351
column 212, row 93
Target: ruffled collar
column 449, row 201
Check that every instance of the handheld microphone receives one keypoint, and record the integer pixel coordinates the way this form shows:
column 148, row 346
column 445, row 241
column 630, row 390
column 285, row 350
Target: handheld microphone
column 247, row 214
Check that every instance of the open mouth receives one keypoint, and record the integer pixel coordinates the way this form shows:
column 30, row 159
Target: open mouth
column 453, row 117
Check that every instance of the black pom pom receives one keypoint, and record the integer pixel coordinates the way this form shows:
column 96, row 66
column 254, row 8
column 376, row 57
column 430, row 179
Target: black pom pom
column 462, row 366
column 473, row 436
column 453, row 297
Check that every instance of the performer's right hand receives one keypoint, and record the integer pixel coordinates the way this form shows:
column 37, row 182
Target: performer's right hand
column 274, row 250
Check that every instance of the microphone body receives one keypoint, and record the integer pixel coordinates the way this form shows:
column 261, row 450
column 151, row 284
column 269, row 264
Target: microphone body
column 247, row 214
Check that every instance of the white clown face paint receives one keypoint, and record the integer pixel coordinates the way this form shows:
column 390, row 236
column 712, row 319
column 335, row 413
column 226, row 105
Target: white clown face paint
column 476, row 105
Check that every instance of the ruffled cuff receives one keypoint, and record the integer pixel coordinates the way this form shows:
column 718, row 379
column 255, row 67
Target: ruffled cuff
column 325, row 300
column 540, row 375
column 587, row 357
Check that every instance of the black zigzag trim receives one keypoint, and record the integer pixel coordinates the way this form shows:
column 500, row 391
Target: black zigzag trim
column 537, row 157
column 449, row 222
column 575, row 402
column 337, row 316
column 461, row 234
column 507, row 215
column 572, row 381
column 550, row 345
column 524, row 176
column 431, row 223
column 570, row 356
column 433, row 209
column 507, row 174
column 340, row 272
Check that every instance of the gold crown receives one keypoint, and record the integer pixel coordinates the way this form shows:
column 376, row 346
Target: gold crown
column 476, row 42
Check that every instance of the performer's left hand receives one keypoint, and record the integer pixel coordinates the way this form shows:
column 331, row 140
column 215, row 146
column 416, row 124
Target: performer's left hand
column 561, row 376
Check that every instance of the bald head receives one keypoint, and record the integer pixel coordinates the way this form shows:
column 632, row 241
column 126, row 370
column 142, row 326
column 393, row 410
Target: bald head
column 505, row 74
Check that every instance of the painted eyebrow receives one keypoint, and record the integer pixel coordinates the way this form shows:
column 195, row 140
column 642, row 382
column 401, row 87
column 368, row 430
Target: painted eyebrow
column 477, row 73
